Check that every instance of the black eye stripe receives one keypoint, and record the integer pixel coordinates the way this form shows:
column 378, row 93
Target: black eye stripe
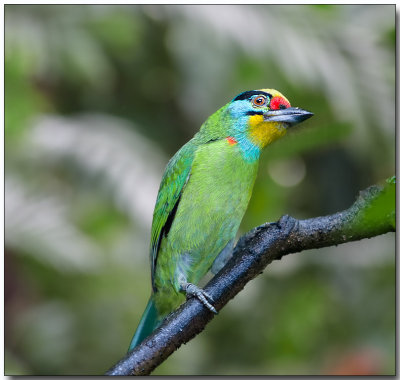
column 250, row 113
column 248, row 94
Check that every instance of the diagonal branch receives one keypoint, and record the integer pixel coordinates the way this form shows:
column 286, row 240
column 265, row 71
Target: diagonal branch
column 372, row 214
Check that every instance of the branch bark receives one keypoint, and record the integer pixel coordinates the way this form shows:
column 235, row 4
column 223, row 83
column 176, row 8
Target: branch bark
column 372, row 214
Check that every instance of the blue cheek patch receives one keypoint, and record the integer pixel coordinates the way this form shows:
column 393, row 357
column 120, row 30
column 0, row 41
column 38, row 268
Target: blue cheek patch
column 240, row 111
column 239, row 108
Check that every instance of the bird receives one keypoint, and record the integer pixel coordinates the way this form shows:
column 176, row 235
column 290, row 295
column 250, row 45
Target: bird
column 203, row 195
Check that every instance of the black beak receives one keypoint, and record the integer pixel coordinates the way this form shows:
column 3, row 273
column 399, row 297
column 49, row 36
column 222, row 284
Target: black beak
column 289, row 116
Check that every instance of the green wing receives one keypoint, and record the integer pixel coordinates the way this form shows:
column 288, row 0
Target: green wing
column 175, row 177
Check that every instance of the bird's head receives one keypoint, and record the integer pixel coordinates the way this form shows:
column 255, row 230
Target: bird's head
column 262, row 116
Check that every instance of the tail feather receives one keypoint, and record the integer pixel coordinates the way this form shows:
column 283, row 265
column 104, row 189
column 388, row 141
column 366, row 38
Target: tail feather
column 148, row 323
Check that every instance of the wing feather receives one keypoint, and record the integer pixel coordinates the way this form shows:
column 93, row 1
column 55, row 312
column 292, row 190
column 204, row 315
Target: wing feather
column 176, row 176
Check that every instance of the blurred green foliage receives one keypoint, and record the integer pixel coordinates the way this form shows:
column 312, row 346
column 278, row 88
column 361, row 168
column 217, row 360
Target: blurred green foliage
column 97, row 97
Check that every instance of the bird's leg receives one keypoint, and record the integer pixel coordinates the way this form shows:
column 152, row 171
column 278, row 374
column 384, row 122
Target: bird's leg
column 192, row 290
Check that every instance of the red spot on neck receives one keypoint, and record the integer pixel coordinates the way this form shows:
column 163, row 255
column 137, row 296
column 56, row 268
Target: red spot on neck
column 231, row 140
column 277, row 102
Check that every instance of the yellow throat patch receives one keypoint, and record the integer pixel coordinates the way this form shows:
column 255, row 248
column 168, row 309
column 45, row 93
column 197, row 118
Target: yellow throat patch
column 263, row 133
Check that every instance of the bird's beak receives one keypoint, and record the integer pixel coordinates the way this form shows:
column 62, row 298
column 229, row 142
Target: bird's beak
column 288, row 116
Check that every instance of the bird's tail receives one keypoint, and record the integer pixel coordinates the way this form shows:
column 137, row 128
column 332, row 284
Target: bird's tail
column 149, row 321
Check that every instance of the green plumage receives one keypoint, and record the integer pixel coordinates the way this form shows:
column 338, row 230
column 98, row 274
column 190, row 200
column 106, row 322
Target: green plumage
column 210, row 209
column 202, row 198
column 147, row 324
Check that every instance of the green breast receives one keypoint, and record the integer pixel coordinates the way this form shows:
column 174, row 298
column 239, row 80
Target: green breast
column 210, row 210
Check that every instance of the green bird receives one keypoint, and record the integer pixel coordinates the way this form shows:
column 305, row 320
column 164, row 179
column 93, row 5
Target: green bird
column 203, row 196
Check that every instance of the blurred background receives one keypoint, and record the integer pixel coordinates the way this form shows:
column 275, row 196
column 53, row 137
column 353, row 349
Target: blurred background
column 98, row 98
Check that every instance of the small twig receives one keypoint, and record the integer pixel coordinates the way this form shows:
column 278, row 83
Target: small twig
column 252, row 254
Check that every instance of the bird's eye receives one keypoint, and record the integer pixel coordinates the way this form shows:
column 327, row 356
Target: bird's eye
column 259, row 101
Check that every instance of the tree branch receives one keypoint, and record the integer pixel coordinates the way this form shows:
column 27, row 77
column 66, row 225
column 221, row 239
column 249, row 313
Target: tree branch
column 372, row 214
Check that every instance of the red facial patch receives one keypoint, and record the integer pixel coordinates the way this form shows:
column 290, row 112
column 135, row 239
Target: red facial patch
column 277, row 103
column 231, row 140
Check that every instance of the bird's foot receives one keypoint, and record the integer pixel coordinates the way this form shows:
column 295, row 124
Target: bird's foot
column 192, row 290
